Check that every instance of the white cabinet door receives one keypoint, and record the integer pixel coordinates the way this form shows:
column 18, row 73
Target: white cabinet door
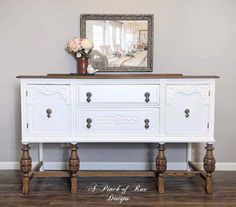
column 113, row 121
column 48, row 110
column 187, row 110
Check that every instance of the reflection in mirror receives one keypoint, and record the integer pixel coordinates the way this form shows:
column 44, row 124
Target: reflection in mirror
column 120, row 45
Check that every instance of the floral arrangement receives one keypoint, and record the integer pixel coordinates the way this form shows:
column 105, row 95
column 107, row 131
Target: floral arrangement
column 80, row 47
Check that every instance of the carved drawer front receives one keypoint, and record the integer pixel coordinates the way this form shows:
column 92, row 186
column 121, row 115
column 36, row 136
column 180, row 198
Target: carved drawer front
column 106, row 121
column 187, row 109
column 118, row 94
column 48, row 109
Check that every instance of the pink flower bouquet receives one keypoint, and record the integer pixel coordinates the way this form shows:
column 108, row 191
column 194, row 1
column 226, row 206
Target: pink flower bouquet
column 80, row 47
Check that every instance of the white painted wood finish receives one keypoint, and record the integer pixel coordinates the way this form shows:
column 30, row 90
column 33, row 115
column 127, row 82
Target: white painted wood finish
column 41, row 98
column 118, row 110
column 117, row 94
column 194, row 99
column 118, row 121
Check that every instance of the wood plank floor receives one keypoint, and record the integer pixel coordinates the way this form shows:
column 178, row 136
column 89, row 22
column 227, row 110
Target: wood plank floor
column 54, row 192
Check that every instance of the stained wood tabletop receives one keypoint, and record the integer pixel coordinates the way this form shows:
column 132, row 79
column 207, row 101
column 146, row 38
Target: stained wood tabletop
column 120, row 76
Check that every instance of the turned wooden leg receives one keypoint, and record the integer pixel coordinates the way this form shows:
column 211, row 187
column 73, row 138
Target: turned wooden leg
column 209, row 167
column 161, row 163
column 74, row 164
column 25, row 167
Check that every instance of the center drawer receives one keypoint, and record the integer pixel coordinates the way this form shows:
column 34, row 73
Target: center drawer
column 118, row 94
column 110, row 121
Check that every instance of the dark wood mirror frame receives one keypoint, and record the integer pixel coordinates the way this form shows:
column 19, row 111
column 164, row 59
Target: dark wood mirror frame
column 124, row 17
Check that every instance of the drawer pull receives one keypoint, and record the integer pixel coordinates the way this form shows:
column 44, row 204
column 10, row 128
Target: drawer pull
column 89, row 121
column 147, row 97
column 186, row 111
column 49, row 112
column 89, row 95
column 146, row 121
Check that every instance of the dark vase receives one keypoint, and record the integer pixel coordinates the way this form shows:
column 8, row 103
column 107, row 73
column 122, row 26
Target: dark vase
column 82, row 64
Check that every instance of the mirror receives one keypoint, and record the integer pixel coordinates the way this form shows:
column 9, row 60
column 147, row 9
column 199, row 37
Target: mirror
column 122, row 43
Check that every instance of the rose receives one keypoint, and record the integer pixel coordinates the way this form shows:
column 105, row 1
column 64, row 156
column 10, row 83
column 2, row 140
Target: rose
column 86, row 44
column 80, row 47
column 74, row 45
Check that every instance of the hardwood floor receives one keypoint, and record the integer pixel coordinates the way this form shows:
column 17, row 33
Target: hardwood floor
column 55, row 192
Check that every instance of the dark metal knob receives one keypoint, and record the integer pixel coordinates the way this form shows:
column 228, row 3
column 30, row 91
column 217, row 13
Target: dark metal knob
column 186, row 111
column 146, row 121
column 147, row 97
column 89, row 121
column 89, row 95
column 49, row 112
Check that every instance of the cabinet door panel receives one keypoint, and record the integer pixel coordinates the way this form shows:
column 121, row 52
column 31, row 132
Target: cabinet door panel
column 48, row 109
column 187, row 110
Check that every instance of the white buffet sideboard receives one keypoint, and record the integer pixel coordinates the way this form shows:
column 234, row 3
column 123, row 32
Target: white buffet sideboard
column 134, row 108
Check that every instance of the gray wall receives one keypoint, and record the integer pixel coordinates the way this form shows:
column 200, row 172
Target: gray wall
column 191, row 37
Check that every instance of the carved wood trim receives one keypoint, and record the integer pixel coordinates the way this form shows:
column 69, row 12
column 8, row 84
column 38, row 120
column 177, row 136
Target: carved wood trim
column 25, row 167
column 74, row 165
column 25, row 162
column 74, row 162
column 209, row 167
column 117, row 120
column 34, row 90
column 172, row 91
column 161, row 161
column 209, row 160
column 161, row 165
